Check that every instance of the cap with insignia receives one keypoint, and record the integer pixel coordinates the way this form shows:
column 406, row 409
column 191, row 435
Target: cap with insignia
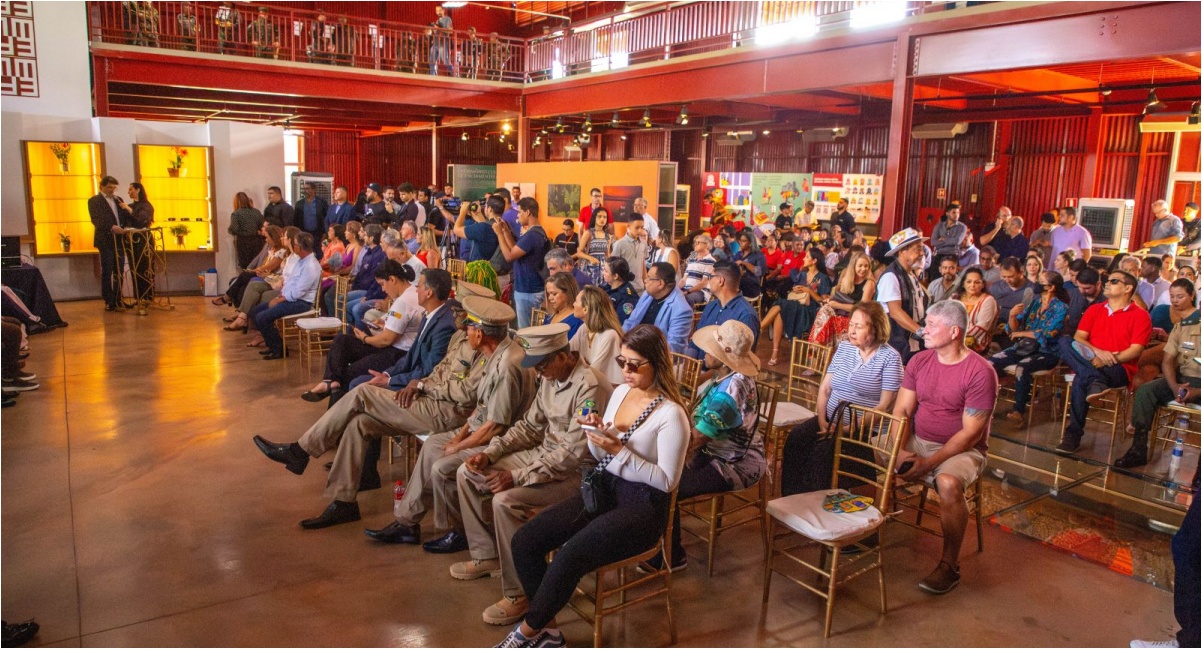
column 464, row 289
column 485, row 311
column 542, row 341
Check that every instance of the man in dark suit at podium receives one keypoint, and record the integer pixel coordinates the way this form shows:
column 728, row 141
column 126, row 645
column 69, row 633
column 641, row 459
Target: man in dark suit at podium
column 104, row 210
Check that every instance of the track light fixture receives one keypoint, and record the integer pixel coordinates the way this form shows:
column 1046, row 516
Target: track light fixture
column 683, row 118
column 647, row 118
column 559, row 125
column 464, row 136
column 614, row 121
column 588, row 123
column 506, row 128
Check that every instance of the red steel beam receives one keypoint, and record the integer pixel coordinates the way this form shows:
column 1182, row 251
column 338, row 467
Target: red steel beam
column 897, row 160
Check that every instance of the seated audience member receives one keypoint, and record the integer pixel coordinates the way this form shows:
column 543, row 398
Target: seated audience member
column 1144, row 291
column 1179, row 371
column 1103, row 352
column 665, row 250
column 639, row 456
column 750, row 260
column 268, row 261
column 1032, row 266
column 359, row 420
column 363, row 271
column 778, row 282
column 599, row 341
column 1035, row 332
column 900, row 292
column 558, row 261
column 297, row 295
column 561, row 290
column 1181, row 306
column 982, row 309
column 988, row 263
column 1088, row 293
column 266, row 282
column 943, row 286
column 428, row 252
column 867, row 372
column 15, row 379
column 698, row 269
column 1013, row 288
column 534, row 465
column 727, row 449
column 773, row 254
column 617, row 278
column 504, row 393
column 728, row 304
column 793, row 316
column 948, row 393
column 378, row 346
column 1063, row 264
column 856, row 285
column 663, row 307
column 333, row 250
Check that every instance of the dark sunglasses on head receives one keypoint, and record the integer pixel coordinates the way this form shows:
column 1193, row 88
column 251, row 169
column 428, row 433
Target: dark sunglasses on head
column 630, row 365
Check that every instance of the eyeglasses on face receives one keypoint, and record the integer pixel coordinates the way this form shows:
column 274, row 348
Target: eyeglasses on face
column 630, row 365
column 1115, row 281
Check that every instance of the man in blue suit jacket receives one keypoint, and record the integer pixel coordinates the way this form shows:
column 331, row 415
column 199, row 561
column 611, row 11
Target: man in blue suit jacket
column 340, row 211
column 663, row 306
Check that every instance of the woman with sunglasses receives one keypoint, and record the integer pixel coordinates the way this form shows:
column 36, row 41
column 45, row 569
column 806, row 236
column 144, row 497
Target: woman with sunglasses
column 639, row 445
column 1034, row 331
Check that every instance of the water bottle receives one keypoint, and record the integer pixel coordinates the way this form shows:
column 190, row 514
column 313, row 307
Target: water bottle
column 1175, row 460
column 398, row 492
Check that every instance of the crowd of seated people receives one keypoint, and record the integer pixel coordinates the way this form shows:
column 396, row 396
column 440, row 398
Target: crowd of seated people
column 512, row 424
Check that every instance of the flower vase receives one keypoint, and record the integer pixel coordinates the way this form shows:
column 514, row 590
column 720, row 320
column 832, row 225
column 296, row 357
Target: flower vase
column 66, row 246
column 173, row 172
column 64, row 167
column 179, row 240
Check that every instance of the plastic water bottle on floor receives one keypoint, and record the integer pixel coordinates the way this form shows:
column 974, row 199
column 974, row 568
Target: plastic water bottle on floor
column 1175, row 460
column 398, row 492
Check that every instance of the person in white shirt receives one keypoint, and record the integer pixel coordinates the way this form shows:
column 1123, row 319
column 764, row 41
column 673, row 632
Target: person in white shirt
column 1070, row 236
column 641, row 206
column 301, row 280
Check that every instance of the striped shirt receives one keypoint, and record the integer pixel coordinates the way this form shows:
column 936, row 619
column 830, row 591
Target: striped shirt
column 860, row 382
column 697, row 270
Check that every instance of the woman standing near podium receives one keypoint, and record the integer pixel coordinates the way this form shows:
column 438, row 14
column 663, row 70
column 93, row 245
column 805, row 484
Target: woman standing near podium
column 141, row 217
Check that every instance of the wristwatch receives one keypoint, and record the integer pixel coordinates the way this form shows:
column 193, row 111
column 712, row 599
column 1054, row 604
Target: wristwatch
column 421, row 386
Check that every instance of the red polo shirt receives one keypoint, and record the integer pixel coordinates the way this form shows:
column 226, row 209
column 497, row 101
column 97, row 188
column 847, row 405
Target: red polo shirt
column 789, row 261
column 772, row 259
column 1116, row 331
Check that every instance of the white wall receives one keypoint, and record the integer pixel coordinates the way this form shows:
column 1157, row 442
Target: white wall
column 61, row 40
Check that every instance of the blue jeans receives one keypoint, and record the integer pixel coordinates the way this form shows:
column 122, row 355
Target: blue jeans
column 351, row 297
column 1022, row 380
column 1112, row 376
column 523, row 303
column 265, row 317
column 1185, row 585
column 358, row 310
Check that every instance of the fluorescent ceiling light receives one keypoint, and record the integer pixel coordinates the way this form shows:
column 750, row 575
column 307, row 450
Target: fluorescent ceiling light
column 875, row 14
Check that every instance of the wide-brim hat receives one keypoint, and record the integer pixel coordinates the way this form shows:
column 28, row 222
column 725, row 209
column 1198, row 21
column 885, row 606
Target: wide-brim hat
column 903, row 238
column 732, row 343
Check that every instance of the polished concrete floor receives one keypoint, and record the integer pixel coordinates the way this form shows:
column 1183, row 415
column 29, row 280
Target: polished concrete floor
column 137, row 512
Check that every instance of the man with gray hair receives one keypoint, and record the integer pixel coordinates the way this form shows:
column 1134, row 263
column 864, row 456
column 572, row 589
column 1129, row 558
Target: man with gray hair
column 642, row 208
column 1166, row 230
column 559, row 261
column 698, row 269
column 409, row 236
column 948, row 393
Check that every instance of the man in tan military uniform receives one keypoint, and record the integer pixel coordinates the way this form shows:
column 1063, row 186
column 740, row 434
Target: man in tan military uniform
column 536, row 464
column 505, row 391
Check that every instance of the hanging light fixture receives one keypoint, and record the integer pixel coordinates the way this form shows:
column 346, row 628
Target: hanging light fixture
column 464, row 136
column 537, row 141
column 588, row 123
column 506, row 128
column 559, row 125
column 614, row 121
column 647, row 118
column 1153, row 104
column 683, row 117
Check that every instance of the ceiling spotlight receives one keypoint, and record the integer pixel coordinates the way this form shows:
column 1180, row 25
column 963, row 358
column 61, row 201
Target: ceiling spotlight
column 537, row 141
column 506, row 128
column 705, row 134
column 1153, row 104
column 623, row 137
column 464, row 136
column 1193, row 114
column 1105, row 91
column 683, row 118
column 588, row 122
column 614, row 120
column 766, row 132
column 543, row 131
column 647, row 117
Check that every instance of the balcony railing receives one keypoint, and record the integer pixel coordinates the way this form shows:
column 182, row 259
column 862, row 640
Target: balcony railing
column 659, row 33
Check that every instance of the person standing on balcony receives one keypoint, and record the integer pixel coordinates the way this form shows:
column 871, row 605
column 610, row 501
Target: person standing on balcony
column 321, row 40
column 473, row 54
column 344, row 42
column 185, row 25
column 263, row 37
column 228, row 21
column 440, row 43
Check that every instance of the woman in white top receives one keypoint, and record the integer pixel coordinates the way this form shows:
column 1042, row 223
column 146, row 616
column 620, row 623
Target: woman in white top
column 665, row 250
column 640, row 447
column 599, row 341
column 375, row 346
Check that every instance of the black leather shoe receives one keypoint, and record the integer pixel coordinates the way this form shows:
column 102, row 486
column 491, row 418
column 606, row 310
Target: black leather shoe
column 453, row 541
column 265, row 352
column 1136, row 456
column 16, row 635
column 272, row 356
column 369, row 479
column 395, row 532
column 36, row 328
column 292, row 456
column 337, row 512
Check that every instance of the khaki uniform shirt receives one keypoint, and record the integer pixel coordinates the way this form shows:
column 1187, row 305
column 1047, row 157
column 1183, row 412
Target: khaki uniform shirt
column 1183, row 344
column 551, row 426
column 506, row 388
column 457, row 378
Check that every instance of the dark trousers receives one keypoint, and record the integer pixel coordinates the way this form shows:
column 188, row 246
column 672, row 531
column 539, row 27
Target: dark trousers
column 699, row 477
column 110, row 266
column 10, row 348
column 1186, row 582
column 265, row 316
column 234, row 293
column 1148, row 398
column 1028, row 365
column 585, row 542
column 350, row 357
column 1113, row 376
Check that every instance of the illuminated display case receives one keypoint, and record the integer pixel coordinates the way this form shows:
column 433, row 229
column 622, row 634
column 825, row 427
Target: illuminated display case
column 179, row 183
column 60, row 177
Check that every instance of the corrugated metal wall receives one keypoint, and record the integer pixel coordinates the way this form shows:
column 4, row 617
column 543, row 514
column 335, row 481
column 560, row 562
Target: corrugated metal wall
column 334, row 152
column 1046, row 159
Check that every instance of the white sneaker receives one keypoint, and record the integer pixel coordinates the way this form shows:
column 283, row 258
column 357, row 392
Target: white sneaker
column 1163, row 644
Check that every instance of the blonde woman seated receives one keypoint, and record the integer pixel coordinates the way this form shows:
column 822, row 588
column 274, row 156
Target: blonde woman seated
column 427, row 251
column 982, row 309
column 600, row 339
column 269, row 261
column 560, row 302
column 265, row 291
column 855, row 285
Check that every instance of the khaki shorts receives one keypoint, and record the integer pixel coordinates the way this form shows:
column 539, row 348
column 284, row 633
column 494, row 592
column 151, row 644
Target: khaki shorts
column 967, row 466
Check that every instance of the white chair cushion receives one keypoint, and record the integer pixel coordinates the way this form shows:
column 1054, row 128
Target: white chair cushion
column 789, row 414
column 319, row 323
column 803, row 513
column 1191, row 406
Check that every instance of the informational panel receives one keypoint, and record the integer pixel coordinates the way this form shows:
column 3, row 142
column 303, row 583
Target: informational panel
column 862, row 191
column 769, row 190
column 561, row 188
column 472, row 182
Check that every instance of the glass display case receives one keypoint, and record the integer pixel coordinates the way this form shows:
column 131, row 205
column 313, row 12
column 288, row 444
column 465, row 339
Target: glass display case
column 60, row 177
column 179, row 183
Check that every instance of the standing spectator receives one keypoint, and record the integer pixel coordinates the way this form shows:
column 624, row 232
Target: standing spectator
column 245, row 223
column 473, row 55
column 185, row 26
column 650, row 225
column 1041, row 238
column 480, row 235
column 340, row 210
column 278, row 212
column 141, row 216
column 105, row 213
column 842, row 222
column 948, row 393
column 263, row 36
column 633, row 248
column 229, row 23
column 1104, row 352
column 568, row 240
column 440, row 43
column 321, row 40
column 970, row 255
column 344, row 42
column 312, row 210
column 526, row 254
column 589, row 211
column 901, row 294
column 1070, row 236
column 498, row 57
column 1167, row 230
column 510, row 213
column 596, row 242
column 665, row 251
column 948, row 234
